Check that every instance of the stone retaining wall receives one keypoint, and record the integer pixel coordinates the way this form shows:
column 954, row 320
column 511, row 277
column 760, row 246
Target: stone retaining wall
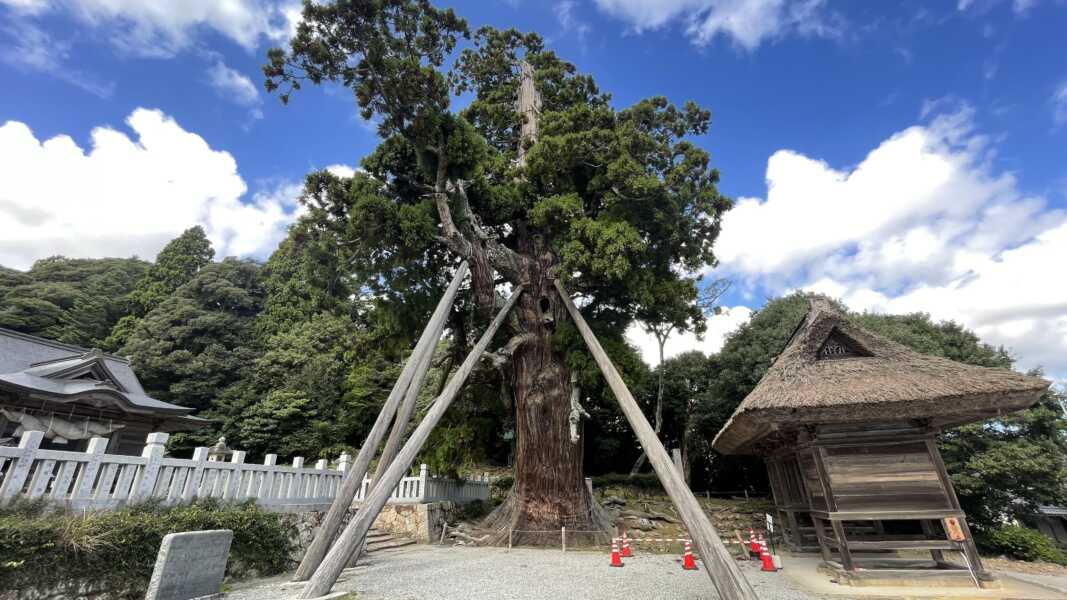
column 420, row 522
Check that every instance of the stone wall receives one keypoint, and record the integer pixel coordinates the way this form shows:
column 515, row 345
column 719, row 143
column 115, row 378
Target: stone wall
column 420, row 522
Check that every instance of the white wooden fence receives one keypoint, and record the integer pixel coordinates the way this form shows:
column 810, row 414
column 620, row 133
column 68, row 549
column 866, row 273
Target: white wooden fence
column 94, row 480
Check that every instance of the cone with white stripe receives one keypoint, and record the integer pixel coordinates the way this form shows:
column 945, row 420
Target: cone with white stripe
column 616, row 560
column 687, row 559
column 765, row 556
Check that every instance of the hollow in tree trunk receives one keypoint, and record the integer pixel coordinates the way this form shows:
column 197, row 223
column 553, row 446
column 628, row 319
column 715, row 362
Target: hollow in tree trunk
column 549, row 490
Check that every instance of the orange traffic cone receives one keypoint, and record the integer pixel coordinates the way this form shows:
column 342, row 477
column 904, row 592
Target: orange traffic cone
column 765, row 556
column 687, row 559
column 616, row 560
column 626, row 553
column 753, row 545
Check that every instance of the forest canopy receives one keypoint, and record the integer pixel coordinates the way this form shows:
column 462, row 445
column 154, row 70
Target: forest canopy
column 311, row 383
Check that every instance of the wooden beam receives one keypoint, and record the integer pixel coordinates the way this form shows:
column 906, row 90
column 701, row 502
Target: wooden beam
column 902, row 545
column 400, row 425
column 352, row 537
column 353, row 480
column 403, row 415
column 718, row 562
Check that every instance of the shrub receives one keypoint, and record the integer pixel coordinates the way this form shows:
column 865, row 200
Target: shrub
column 112, row 554
column 641, row 481
column 1022, row 543
column 499, row 488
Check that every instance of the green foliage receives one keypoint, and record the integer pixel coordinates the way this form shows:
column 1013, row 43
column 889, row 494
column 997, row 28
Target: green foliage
column 1006, row 467
column 200, row 339
column 1022, row 543
column 112, row 553
column 76, row 301
column 176, row 264
column 291, row 402
column 613, row 200
column 641, row 481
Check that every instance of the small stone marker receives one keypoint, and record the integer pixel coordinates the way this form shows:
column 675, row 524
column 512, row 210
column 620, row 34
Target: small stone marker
column 190, row 565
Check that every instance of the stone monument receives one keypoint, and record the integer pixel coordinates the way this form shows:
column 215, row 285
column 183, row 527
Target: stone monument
column 190, row 565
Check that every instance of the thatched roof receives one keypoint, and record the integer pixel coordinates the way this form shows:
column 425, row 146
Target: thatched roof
column 832, row 371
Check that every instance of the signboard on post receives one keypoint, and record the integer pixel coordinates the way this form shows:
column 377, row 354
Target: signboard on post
column 955, row 532
column 770, row 523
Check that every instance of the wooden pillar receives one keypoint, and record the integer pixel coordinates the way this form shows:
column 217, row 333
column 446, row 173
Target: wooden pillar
column 930, row 530
column 352, row 537
column 842, row 545
column 794, row 528
column 819, row 456
column 968, row 544
column 820, row 535
column 719, row 563
column 353, row 478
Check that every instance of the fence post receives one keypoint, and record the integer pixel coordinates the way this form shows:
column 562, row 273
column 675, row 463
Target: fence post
column 424, row 481
column 154, row 447
column 196, row 474
column 295, row 482
column 83, row 488
column 344, row 462
column 563, row 534
column 235, row 489
column 16, row 475
column 320, row 484
column 266, row 485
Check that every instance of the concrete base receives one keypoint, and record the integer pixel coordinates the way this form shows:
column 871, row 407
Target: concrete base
column 903, row 572
column 808, row 572
column 337, row 596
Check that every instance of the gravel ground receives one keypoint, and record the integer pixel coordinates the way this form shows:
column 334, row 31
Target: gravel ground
column 457, row 573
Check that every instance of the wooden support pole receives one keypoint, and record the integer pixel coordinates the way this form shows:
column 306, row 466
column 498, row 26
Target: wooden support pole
column 341, row 552
column 400, row 425
column 403, row 415
column 353, row 478
column 719, row 564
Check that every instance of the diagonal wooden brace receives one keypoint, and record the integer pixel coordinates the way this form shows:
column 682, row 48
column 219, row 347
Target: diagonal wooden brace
column 719, row 564
column 352, row 537
column 354, row 478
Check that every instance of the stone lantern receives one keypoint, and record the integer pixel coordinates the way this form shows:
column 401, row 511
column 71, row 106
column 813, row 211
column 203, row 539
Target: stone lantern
column 219, row 452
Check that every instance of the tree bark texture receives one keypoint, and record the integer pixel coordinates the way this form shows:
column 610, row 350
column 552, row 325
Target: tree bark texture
column 549, row 490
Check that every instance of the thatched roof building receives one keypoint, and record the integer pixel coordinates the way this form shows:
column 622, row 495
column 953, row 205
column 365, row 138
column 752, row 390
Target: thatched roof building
column 832, row 371
column 846, row 422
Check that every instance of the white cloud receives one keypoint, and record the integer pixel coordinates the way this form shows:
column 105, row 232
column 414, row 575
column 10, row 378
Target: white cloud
column 158, row 28
column 719, row 326
column 923, row 223
column 747, row 23
column 1019, row 7
column 129, row 194
column 31, row 48
column 231, row 84
column 237, row 88
column 569, row 21
column 341, row 170
column 26, row 7
column 1059, row 105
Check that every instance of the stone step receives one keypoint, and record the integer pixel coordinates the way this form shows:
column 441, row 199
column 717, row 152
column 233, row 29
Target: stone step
column 388, row 544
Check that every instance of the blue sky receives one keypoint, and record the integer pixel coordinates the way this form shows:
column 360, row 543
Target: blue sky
column 904, row 157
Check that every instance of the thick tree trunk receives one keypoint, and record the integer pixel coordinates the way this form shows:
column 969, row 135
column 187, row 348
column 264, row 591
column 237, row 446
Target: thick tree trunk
column 549, row 490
